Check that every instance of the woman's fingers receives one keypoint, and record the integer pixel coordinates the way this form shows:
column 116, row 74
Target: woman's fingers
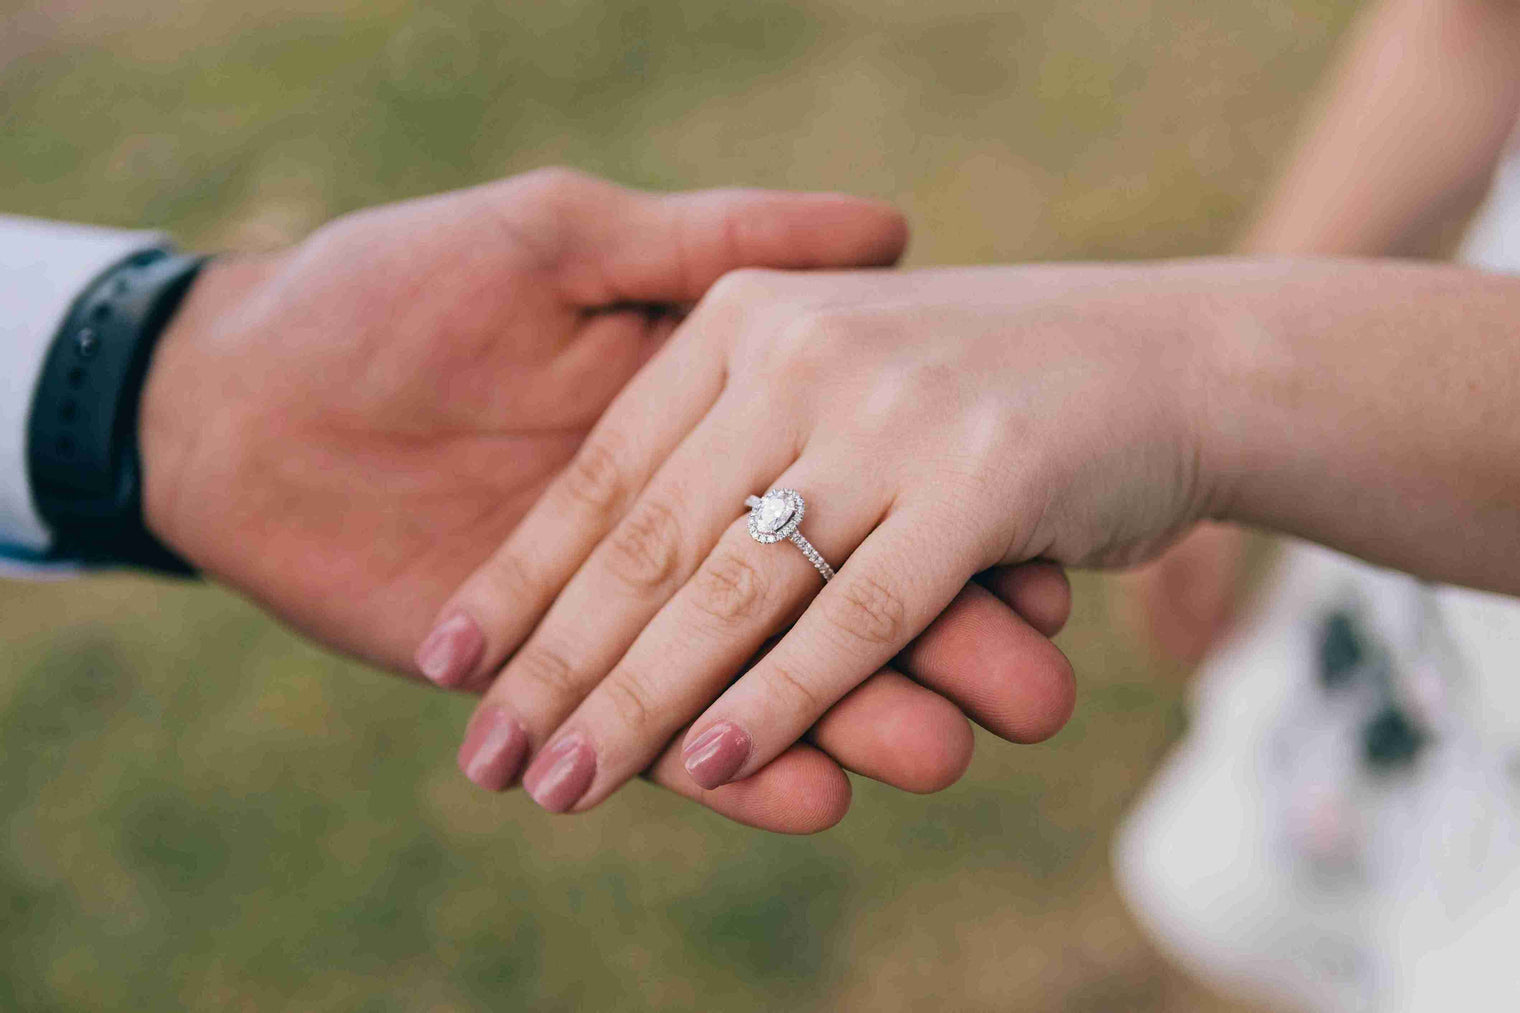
column 906, row 732
column 629, row 577
column 891, row 728
column 493, row 749
column 802, row 792
column 738, row 598
column 491, row 614
column 742, row 593
column 893, row 586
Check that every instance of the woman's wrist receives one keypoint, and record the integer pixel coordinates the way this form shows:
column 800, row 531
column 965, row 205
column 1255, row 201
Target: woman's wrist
column 1232, row 345
column 1368, row 405
column 1284, row 372
column 1199, row 310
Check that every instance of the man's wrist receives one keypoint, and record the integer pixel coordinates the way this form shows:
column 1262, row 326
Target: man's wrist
column 179, row 397
column 83, row 464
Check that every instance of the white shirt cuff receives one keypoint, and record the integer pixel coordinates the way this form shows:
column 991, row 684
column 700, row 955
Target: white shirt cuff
column 44, row 266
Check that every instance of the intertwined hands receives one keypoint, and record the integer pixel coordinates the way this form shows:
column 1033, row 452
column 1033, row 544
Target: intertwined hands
column 344, row 430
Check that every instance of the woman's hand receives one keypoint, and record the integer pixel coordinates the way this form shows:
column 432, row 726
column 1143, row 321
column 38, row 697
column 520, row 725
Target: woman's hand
column 938, row 423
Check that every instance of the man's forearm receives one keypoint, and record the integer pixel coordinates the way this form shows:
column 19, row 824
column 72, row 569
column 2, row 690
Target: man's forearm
column 1414, row 119
column 1371, row 406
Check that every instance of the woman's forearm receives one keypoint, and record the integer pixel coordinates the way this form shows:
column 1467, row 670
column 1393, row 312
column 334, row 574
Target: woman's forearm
column 1371, row 406
column 1414, row 118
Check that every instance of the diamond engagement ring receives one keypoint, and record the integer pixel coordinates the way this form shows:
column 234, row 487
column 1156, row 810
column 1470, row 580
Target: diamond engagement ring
column 775, row 516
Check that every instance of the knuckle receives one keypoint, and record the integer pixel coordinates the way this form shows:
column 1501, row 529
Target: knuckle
column 644, row 550
column 866, row 610
column 506, row 578
column 799, row 694
column 633, row 699
column 799, row 340
column 990, row 432
column 899, row 392
column 594, row 478
column 741, row 288
column 530, row 211
column 552, row 183
column 736, row 303
column 932, row 381
column 729, row 587
column 812, row 342
column 545, row 668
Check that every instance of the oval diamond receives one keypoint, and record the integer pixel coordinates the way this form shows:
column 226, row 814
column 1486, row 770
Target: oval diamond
column 774, row 511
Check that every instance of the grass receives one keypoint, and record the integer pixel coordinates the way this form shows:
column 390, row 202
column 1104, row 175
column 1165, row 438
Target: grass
column 199, row 811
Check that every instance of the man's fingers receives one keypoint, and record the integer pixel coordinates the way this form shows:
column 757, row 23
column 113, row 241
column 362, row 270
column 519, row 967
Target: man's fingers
column 891, row 729
column 802, row 791
column 629, row 246
column 1005, row 674
column 671, row 248
column 1038, row 591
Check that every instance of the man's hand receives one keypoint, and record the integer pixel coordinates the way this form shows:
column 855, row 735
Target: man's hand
column 345, row 429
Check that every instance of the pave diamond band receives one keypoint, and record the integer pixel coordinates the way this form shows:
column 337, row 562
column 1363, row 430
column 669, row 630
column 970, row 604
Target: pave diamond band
column 775, row 516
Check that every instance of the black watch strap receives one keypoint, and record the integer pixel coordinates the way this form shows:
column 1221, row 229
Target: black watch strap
column 82, row 450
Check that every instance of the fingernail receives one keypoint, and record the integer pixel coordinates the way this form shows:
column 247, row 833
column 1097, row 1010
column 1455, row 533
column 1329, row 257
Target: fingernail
column 561, row 774
column 493, row 749
column 451, row 650
column 715, row 756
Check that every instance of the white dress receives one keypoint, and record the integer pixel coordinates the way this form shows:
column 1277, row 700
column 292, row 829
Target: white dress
column 1340, row 827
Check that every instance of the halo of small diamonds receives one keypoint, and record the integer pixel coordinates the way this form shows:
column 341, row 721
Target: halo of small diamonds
column 775, row 515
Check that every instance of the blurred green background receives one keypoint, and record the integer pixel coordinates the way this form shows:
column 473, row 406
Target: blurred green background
column 201, row 812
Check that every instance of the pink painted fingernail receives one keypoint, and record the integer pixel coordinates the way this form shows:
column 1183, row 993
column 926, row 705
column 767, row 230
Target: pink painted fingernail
column 493, row 749
column 560, row 775
column 715, row 756
column 452, row 650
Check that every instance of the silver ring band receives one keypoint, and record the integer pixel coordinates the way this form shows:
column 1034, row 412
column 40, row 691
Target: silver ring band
column 775, row 516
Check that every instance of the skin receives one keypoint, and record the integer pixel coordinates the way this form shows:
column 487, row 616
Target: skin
column 344, row 430
column 1439, row 116
column 948, row 421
